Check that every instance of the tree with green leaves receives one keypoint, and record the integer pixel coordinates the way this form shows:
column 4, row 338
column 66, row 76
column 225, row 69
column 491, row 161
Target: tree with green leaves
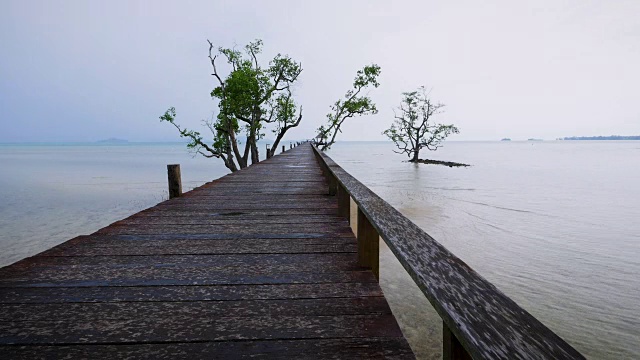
column 413, row 128
column 250, row 98
column 353, row 104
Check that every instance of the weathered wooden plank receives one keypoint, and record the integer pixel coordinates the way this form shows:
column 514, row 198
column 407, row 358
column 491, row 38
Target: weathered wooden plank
column 43, row 295
column 322, row 228
column 230, row 220
column 487, row 323
column 85, row 312
column 104, row 247
column 195, row 328
column 312, row 178
column 213, row 262
column 223, row 196
column 95, row 268
column 177, row 276
column 242, row 205
column 245, row 213
column 288, row 190
column 249, row 199
column 247, row 236
column 346, row 348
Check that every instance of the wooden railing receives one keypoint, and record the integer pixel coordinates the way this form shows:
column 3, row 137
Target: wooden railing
column 479, row 321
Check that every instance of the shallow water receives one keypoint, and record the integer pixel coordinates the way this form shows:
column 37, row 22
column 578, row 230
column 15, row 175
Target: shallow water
column 552, row 224
column 51, row 193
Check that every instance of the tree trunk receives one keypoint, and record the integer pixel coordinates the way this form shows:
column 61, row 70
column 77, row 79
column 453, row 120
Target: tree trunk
column 416, row 153
column 229, row 163
column 255, row 158
column 255, row 123
column 234, row 143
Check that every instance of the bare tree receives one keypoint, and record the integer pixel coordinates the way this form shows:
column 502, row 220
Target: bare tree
column 249, row 98
column 412, row 129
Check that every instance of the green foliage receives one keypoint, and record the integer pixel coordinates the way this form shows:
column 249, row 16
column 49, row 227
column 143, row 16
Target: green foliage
column 412, row 130
column 245, row 97
column 194, row 137
column 353, row 104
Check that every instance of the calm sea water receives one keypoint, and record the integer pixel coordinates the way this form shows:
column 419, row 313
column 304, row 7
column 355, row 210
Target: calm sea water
column 553, row 224
column 51, row 193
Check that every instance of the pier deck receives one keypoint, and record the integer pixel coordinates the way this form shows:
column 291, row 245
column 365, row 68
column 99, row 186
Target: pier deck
column 256, row 263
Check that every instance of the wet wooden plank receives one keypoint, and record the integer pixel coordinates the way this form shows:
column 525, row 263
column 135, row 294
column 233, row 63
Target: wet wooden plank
column 176, row 293
column 148, row 229
column 176, row 328
column 86, row 312
column 198, row 269
column 165, row 218
column 231, row 220
column 266, row 262
column 219, row 236
column 188, row 276
column 245, row 213
column 245, row 205
column 102, row 246
column 347, row 348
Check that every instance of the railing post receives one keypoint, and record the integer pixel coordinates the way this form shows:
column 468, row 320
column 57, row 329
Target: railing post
column 268, row 151
column 290, row 145
column 344, row 203
column 175, row 182
column 368, row 245
column 451, row 347
column 283, row 148
column 333, row 183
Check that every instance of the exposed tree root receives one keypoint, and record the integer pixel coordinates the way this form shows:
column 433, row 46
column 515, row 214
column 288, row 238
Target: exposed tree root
column 438, row 162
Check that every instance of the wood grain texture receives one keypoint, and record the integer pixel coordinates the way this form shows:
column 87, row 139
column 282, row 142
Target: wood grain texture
column 343, row 348
column 488, row 324
column 255, row 264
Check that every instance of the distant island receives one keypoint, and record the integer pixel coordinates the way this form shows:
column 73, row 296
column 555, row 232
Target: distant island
column 506, row 139
column 113, row 141
column 532, row 139
column 612, row 137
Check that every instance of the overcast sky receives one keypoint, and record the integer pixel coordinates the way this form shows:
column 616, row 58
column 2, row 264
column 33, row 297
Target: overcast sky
column 90, row 70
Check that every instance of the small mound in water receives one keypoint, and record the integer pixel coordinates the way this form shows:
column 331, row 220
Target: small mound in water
column 438, row 162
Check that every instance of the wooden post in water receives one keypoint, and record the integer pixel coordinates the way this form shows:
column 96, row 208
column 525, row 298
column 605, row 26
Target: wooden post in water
column 175, row 181
column 368, row 245
column 451, row 347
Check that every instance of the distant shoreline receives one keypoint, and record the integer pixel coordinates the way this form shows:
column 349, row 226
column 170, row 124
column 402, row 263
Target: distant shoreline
column 137, row 143
column 612, row 137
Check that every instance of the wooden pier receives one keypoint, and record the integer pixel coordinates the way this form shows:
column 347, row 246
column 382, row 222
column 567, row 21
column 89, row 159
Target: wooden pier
column 255, row 263
column 260, row 263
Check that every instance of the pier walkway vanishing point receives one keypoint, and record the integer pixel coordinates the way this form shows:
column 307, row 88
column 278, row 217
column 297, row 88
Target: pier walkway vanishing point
column 261, row 263
column 255, row 263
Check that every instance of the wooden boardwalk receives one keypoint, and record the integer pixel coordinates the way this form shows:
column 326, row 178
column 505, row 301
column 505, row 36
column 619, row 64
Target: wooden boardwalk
column 256, row 263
